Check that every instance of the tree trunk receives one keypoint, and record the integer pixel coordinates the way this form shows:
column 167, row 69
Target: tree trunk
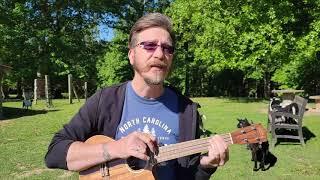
column 187, row 84
column 256, row 93
column 266, row 85
column 19, row 89
column 43, row 68
column 70, row 88
column 1, row 97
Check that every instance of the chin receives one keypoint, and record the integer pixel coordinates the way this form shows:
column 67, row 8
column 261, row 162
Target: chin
column 154, row 81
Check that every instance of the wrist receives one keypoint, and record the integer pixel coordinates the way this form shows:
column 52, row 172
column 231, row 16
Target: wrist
column 205, row 164
column 105, row 153
column 110, row 151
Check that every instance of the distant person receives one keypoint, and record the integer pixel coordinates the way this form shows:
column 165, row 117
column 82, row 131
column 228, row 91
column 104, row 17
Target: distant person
column 139, row 114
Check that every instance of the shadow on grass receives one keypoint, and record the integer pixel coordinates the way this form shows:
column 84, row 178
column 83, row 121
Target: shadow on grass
column 13, row 113
column 270, row 161
column 307, row 135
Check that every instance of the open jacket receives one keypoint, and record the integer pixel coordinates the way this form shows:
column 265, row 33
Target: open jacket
column 101, row 114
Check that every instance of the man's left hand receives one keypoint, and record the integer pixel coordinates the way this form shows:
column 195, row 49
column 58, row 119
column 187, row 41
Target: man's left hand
column 218, row 153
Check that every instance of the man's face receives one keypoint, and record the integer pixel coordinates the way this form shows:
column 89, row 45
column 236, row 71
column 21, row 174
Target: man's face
column 151, row 57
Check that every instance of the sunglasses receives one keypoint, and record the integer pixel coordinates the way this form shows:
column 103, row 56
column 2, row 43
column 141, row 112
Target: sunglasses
column 152, row 46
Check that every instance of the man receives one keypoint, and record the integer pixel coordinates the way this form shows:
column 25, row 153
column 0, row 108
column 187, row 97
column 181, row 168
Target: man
column 139, row 114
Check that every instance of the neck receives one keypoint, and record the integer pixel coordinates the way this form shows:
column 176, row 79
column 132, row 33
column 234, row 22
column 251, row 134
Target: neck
column 178, row 150
column 145, row 90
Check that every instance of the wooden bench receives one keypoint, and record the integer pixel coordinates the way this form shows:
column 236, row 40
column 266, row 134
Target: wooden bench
column 276, row 122
column 287, row 95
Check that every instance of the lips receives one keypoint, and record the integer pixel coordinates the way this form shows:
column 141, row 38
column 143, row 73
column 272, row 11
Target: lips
column 159, row 65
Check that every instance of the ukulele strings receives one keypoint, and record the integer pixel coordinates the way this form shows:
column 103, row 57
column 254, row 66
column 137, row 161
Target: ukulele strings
column 187, row 147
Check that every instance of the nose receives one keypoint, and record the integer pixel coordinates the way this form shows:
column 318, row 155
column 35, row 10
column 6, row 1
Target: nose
column 159, row 52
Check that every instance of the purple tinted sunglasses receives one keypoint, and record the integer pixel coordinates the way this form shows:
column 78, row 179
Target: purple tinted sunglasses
column 152, row 46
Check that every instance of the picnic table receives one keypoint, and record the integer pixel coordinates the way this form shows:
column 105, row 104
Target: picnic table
column 317, row 101
column 287, row 94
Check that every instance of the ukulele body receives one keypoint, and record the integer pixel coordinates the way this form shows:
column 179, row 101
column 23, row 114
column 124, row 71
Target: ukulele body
column 114, row 170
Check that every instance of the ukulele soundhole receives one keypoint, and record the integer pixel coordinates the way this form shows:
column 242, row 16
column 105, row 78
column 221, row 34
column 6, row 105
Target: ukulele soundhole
column 136, row 164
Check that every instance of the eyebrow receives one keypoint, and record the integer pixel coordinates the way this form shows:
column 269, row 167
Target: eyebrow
column 156, row 41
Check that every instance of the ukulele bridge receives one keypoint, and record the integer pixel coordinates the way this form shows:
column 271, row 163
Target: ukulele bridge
column 104, row 170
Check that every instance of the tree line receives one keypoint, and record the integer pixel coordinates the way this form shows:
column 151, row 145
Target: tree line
column 224, row 48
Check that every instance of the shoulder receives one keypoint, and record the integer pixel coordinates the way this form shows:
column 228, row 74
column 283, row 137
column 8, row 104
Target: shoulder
column 185, row 104
column 112, row 90
column 181, row 97
column 107, row 94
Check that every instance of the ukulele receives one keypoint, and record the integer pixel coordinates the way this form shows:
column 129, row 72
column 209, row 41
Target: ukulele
column 136, row 169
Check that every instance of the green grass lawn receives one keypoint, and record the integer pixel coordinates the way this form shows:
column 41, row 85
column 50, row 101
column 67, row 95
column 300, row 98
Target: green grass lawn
column 25, row 135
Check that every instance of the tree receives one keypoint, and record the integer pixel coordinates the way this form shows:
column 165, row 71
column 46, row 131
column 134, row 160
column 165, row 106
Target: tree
column 114, row 66
column 54, row 37
column 253, row 39
column 303, row 71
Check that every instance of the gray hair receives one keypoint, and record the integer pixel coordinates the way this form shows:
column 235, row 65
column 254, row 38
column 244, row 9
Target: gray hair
column 148, row 21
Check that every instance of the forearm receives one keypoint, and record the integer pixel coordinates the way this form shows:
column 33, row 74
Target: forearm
column 82, row 156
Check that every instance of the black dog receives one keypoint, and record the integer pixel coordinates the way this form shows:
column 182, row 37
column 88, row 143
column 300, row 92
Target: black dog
column 259, row 151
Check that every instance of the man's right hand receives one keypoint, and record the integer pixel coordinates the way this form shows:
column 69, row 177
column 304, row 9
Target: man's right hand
column 82, row 155
column 135, row 144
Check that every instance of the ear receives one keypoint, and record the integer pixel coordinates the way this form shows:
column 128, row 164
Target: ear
column 131, row 56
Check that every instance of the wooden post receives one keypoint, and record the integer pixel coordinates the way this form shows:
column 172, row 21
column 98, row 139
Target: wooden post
column 47, row 91
column 70, row 87
column 75, row 93
column 35, row 95
column 85, row 90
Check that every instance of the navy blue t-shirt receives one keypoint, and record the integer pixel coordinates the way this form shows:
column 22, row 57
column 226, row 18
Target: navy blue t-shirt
column 158, row 117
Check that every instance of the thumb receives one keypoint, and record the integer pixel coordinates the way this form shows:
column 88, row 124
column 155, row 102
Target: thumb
column 205, row 160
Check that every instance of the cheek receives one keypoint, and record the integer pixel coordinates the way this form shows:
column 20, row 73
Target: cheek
column 169, row 62
column 131, row 56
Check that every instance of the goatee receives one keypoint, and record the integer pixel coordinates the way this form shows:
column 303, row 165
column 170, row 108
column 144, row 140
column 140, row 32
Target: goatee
column 159, row 77
column 158, row 80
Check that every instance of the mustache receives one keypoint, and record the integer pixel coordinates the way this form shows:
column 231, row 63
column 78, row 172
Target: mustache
column 150, row 64
column 157, row 63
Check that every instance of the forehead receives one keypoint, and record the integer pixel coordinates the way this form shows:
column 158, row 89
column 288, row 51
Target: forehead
column 154, row 34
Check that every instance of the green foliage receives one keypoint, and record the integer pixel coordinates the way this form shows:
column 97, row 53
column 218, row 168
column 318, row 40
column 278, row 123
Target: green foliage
column 53, row 37
column 256, row 45
column 257, row 38
column 114, row 66
column 303, row 71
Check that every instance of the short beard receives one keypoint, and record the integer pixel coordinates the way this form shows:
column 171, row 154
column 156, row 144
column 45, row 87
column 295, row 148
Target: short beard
column 157, row 81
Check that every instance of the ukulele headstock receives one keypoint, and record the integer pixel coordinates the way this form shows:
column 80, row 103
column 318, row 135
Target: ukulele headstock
column 250, row 134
